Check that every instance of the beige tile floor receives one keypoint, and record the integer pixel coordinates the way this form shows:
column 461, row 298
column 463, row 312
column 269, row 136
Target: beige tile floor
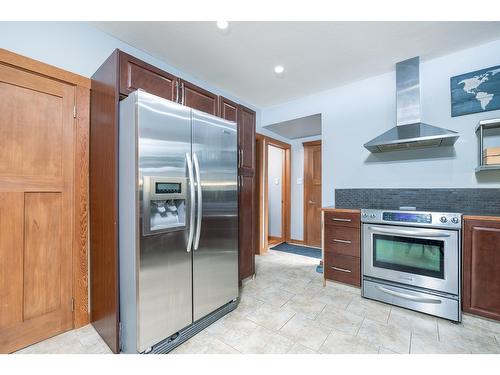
column 286, row 309
column 84, row 340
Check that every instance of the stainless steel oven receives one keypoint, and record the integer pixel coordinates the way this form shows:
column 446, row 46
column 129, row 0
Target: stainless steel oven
column 412, row 259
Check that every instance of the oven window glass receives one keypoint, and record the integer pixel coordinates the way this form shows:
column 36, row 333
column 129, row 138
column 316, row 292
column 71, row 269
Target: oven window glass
column 412, row 255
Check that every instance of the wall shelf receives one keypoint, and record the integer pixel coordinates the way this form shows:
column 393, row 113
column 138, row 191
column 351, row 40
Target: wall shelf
column 487, row 168
column 491, row 126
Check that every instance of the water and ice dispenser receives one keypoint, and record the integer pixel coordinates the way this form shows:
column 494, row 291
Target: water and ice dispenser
column 164, row 204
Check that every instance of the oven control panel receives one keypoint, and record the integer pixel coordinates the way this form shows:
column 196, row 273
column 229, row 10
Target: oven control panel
column 407, row 217
column 412, row 218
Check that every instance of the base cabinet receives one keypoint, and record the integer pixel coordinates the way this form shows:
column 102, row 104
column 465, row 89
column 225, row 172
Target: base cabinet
column 481, row 267
column 341, row 246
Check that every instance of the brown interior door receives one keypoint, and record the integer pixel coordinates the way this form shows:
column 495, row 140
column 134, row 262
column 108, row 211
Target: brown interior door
column 36, row 211
column 312, row 193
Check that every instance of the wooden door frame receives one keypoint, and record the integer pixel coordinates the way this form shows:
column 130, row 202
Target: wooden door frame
column 80, row 249
column 263, row 190
column 304, row 203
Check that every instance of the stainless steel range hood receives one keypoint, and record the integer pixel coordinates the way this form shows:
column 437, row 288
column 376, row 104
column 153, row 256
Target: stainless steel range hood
column 410, row 132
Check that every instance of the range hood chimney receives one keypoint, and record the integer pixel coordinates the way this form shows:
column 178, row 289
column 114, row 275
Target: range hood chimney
column 410, row 132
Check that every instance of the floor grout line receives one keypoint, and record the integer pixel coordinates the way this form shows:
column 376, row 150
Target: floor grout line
column 294, row 313
column 359, row 328
column 411, row 339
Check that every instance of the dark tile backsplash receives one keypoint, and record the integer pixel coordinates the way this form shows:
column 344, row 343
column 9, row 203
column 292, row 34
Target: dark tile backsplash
column 466, row 201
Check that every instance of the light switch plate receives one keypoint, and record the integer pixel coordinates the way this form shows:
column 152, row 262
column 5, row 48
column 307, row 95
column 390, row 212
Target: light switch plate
column 299, row 180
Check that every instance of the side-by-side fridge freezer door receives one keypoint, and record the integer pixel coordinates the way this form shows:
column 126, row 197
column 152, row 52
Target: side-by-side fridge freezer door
column 166, row 193
column 215, row 246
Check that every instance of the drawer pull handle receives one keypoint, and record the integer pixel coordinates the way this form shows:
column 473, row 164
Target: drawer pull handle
column 342, row 241
column 341, row 269
column 343, row 220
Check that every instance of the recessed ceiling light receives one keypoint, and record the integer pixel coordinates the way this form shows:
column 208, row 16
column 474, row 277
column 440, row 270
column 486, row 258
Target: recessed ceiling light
column 222, row 25
column 279, row 70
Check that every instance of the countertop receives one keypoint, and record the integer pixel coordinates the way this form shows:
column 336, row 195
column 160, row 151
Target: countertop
column 333, row 208
column 466, row 216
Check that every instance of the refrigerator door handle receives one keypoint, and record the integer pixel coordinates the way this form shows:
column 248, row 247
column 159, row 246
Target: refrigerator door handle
column 199, row 201
column 191, row 201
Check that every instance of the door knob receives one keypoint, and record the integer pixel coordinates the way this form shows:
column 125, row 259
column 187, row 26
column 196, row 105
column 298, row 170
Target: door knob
column 311, row 202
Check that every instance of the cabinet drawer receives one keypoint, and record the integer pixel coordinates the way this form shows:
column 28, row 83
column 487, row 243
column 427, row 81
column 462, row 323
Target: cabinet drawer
column 343, row 219
column 136, row 74
column 342, row 240
column 343, row 268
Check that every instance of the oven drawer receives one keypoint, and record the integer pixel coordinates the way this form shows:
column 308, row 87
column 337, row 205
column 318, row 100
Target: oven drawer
column 342, row 240
column 343, row 218
column 343, row 268
column 438, row 305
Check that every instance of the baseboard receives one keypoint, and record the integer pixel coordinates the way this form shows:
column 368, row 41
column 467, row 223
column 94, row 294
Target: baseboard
column 301, row 243
column 273, row 241
column 296, row 242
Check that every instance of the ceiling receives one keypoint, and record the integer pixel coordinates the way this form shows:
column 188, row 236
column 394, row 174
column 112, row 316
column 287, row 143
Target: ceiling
column 316, row 55
column 297, row 128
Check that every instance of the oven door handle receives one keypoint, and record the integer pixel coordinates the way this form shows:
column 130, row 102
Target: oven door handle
column 408, row 297
column 411, row 232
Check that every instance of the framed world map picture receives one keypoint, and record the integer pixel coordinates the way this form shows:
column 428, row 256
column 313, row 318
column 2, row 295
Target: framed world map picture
column 474, row 92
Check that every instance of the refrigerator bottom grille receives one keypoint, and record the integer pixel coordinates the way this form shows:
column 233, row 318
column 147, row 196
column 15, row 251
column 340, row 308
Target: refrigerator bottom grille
column 172, row 342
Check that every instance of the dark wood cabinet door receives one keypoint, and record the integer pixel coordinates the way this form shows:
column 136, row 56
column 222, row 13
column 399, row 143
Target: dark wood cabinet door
column 246, row 138
column 228, row 110
column 137, row 74
column 246, row 226
column 198, row 98
column 481, row 268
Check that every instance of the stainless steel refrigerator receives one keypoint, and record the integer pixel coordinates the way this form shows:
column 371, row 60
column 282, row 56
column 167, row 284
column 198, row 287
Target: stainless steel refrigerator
column 178, row 222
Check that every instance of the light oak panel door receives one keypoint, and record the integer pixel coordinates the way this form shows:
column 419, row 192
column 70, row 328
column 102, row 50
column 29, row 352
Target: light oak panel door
column 36, row 207
column 312, row 193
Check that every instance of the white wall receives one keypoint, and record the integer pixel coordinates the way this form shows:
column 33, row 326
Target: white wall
column 81, row 48
column 274, row 174
column 356, row 113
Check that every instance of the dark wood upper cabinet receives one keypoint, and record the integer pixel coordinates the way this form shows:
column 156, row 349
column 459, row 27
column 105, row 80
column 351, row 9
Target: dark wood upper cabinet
column 246, row 139
column 137, row 74
column 481, row 267
column 198, row 98
column 228, row 110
